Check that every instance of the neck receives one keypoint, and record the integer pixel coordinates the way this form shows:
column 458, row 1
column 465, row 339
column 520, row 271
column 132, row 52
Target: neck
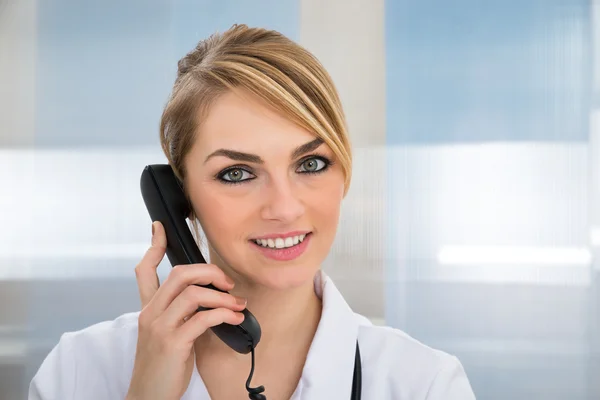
column 284, row 315
column 288, row 318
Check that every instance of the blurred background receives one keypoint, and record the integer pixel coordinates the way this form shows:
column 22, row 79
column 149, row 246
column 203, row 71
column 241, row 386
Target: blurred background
column 473, row 220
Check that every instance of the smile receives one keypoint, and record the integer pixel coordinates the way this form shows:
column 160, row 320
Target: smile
column 282, row 249
column 280, row 243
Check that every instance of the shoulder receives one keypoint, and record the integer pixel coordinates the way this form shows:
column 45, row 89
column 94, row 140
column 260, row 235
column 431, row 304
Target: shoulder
column 408, row 368
column 98, row 359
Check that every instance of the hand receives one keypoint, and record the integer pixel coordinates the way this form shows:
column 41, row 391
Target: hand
column 168, row 323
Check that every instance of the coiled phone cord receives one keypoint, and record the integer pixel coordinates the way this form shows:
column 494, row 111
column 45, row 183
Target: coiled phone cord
column 254, row 393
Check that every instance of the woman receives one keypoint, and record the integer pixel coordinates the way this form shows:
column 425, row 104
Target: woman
column 255, row 130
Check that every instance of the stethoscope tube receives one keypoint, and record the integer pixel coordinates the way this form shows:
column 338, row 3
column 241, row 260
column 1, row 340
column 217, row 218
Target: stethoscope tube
column 357, row 379
column 256, row 393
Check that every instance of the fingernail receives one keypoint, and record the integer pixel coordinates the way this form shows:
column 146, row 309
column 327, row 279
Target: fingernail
column 229, row 280
column 153, row 229
column 240, row 301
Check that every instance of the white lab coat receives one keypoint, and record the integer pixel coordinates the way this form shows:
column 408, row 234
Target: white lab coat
column 96, row 363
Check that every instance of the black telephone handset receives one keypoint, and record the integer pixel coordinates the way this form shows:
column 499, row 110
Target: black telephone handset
column 166, row 202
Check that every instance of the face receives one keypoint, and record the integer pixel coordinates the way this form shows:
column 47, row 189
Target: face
column 267, row 193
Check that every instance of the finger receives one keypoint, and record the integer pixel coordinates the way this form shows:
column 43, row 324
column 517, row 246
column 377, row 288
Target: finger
column 183, row 276
column 186, row 304
column 203, row 320
column 145, row 271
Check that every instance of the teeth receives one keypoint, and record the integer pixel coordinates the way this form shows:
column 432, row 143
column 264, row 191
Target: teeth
column 280, row 243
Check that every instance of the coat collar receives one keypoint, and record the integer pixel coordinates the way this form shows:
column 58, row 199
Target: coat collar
column 329, row 366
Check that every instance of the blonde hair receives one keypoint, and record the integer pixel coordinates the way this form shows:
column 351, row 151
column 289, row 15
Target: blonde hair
column 267, row 64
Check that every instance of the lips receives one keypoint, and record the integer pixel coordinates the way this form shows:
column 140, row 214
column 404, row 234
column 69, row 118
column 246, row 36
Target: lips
column 282, row 235
column 280, row 242
column 282, row 253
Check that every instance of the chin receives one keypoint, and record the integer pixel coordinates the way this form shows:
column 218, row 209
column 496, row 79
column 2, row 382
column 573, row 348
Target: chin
column 285, row 277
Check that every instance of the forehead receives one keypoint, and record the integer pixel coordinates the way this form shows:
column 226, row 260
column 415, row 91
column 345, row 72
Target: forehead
column 240, row 121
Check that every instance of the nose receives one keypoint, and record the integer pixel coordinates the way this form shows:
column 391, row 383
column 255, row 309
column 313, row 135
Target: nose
column 282, row 201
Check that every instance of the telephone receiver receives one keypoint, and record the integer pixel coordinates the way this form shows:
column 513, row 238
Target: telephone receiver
column 166, row 202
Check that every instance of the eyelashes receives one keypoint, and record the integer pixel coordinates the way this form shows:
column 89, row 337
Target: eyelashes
column 234, row 175
column 239, row 174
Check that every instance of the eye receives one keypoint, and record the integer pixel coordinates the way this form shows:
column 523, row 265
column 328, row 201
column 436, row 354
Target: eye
column 313, row 165
column 235, row 175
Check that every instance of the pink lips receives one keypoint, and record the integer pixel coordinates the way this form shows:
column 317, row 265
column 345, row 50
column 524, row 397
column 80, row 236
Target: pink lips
column 282, row 235
column 287, row 253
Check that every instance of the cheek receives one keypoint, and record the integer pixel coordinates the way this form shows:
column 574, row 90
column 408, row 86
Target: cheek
column 220, row 216
column 326, row 204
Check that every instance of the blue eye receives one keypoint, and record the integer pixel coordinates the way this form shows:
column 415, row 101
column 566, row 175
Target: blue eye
column 313, row 165
column 235, row 175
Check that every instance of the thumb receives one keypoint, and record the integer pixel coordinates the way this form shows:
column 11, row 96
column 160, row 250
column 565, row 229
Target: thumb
column 145, row 271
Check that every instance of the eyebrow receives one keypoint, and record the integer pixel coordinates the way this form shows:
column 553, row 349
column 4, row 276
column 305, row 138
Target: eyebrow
column 253, row 158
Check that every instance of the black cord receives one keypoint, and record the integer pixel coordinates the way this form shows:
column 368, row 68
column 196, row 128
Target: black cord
column 254, row 393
